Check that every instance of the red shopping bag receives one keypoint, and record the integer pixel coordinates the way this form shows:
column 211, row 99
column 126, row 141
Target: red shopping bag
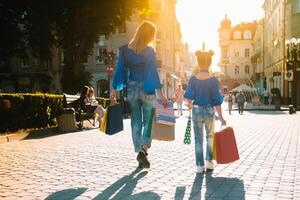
column 224, row 146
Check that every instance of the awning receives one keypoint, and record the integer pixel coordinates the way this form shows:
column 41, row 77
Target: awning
column 244, row 88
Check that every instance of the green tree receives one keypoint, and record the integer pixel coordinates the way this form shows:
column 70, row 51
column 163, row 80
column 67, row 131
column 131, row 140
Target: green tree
column 73, row 25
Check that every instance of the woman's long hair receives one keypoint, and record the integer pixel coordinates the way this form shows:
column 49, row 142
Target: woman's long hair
column 84, row 91
column 144, row 35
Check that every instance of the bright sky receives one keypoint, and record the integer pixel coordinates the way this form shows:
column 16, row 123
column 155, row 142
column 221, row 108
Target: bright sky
column 200, row 19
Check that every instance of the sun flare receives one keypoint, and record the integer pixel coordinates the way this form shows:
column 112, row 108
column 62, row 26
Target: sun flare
column 200, row 19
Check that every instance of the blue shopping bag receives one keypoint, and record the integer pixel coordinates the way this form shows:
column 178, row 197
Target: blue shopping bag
column 114, row 123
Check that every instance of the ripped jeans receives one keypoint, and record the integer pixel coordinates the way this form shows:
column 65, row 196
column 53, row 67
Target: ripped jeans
column 203, row 117
column 141, row 106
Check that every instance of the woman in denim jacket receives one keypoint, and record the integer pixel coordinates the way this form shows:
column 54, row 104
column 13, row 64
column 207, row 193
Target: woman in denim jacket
column 203, row 95
column 142, row 85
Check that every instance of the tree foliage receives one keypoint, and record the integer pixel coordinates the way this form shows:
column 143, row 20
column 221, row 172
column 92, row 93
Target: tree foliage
column 73, row 25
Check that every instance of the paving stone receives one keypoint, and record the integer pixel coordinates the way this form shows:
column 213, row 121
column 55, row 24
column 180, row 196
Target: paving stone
column 86, row 165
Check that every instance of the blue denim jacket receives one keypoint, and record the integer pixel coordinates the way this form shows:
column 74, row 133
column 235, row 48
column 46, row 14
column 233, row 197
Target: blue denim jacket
column 135, row 61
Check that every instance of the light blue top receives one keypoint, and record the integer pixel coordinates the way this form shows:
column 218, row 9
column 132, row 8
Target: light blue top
column 141, row 67
column 204, row 92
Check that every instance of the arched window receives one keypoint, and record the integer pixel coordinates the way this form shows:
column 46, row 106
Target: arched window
column 237, row 35
column 236, row 70
column 247, row 35
column 247, row 69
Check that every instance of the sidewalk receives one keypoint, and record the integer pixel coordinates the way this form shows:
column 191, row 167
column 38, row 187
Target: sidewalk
column 90, row 165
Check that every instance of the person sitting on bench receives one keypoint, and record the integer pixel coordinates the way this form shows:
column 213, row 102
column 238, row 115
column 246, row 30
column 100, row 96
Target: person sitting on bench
column 89, row 103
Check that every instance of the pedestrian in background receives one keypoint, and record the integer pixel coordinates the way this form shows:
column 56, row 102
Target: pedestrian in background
column 179, row 99
column 91, row 96
column 241, row 99
column 143, row 82
column 230, row 102
column 266, row 97
column 203, row 96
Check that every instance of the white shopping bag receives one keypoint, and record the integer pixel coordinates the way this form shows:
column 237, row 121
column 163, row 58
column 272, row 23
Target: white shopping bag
column 164, row 115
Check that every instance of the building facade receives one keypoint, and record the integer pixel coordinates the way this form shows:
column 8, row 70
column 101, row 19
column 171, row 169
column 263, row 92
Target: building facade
column 257, row 59
column 292, row 38
column 31, row 74
column 274, row 46
column 236, row 51
column 168, row 46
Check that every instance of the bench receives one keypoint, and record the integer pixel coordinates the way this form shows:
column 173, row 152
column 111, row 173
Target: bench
column 72, row 101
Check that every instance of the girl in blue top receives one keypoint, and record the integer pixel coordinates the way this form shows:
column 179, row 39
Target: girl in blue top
column 203, row 95
column 142, row 85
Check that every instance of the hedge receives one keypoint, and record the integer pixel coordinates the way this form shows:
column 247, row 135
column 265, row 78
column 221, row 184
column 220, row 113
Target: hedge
column 26, row 110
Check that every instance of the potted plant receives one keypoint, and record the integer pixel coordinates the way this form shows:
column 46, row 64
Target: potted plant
column 276, row 97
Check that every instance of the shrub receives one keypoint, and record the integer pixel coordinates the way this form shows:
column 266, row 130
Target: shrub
column 275, row 92
column 24, row 110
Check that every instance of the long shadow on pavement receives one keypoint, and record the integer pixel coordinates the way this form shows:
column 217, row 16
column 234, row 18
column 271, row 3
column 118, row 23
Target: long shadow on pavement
column 43, row 133
column 67, row 194
column 124, row 188
column 216, row 188
column 49, row 132
column 268, row 112
column 127, row 183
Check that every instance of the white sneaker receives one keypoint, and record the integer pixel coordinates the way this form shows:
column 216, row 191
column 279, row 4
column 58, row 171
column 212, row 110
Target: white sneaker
column 199, row 169
column 210, row 164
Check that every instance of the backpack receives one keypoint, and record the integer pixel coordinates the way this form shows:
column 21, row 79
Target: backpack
column 241, row 98
column 230, row 99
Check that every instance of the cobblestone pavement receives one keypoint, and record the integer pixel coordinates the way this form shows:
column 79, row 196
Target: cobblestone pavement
column 90, row 165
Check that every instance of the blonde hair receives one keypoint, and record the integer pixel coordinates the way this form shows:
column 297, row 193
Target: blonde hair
column 144, row 35
column 204, row 58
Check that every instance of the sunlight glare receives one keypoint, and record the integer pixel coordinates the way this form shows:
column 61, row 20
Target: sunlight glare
column 200, row 19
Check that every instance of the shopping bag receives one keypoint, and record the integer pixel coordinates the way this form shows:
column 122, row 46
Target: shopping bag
column 224, row 146
column 164, row 115
column 187, row 134
column 214, row 153
column 114, row 122
column 149, row 130
column 102, row 127
column 162, row 131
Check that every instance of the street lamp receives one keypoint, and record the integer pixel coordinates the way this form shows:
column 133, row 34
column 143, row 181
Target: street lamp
column 108, row 58
column 292, row 60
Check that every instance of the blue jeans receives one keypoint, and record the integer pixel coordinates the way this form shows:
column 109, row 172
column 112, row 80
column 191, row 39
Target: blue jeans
column 203, row 116
column 141, row 106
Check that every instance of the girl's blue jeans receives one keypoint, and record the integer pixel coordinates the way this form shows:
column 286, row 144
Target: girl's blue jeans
column 141, row 106
column 203, row 117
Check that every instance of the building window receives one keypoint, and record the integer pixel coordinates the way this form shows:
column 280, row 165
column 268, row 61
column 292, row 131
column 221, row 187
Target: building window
column 101, row 53
column 297, row 6
column 247, row 52
column 236, row 70
column 247, row 69
column 236, row 53
column 237, row 35
column 247, row 35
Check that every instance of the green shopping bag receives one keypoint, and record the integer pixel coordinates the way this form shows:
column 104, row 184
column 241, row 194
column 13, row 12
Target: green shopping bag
column 187, row 135
column 149, row 130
